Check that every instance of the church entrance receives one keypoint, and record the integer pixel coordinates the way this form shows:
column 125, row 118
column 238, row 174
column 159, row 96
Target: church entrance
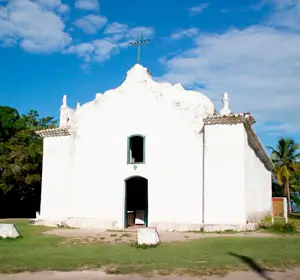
column 136, row 202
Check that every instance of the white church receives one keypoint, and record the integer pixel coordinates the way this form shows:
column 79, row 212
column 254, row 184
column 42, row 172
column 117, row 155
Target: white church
column 155, row 155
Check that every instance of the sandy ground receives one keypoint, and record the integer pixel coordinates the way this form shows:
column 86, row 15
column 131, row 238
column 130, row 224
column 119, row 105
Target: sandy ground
column 98, row 275
column 103, row 236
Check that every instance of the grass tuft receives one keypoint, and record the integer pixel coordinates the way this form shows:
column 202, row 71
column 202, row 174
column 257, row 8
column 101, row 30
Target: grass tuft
column 11, row 238
column 143, row 246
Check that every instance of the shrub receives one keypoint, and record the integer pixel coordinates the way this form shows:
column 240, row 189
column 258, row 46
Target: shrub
column 284, row 228
column 267, row 219
column 143, row 246
column 288, row 228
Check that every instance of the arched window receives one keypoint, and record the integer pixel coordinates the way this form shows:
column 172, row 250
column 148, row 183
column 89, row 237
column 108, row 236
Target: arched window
column 136, row 149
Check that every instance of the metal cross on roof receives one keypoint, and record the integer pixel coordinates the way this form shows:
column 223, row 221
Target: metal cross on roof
column 138, row 43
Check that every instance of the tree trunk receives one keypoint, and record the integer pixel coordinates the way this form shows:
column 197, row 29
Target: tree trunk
column 287, row 191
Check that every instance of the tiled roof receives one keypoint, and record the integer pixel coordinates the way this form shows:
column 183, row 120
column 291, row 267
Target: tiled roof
column 231, row 119
column 53, row 132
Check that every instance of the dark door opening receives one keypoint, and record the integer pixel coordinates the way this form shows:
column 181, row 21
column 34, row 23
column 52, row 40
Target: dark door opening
column 136, row 202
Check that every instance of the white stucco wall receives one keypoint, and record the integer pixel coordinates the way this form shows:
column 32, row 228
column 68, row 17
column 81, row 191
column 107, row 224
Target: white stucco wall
column 258, row 193
column 169, row 117
column 56, row 193
column 224, row 190
column 173, row 163
column 84, row 174
column 237, row 184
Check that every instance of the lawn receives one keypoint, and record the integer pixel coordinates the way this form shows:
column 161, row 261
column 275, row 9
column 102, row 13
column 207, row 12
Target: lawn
column 36, row 251
column 293, row 219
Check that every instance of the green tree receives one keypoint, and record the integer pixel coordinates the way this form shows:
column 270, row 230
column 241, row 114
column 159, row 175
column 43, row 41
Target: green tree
column 285, row 158
column 21, row 154
column 277, row 190
column 10, row 122
column 295, row 185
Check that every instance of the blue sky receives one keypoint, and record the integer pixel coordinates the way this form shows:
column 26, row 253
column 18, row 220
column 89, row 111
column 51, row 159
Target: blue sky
column 250, row 49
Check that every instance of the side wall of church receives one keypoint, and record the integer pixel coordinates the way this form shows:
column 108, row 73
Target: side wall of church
column 237, row 184
column 224, row 179
column 258, row 193
column 56, row 195
column 173, row 163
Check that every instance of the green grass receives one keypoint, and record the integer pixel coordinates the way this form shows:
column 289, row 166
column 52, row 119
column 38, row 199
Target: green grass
column 36, row 251
column 279, row 226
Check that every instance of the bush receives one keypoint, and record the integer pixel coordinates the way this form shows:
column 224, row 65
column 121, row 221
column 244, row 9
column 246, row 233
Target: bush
column 284, row 228
column 143, row 246
column 289, row 228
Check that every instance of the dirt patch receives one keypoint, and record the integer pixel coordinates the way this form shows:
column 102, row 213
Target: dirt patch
column 99, row 275
column 77, row 236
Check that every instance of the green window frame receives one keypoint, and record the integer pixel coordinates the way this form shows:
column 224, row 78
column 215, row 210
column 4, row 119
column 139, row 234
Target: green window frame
column 128, row 148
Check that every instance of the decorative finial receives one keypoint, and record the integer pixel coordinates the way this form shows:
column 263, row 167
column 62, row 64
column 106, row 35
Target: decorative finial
column 78, row 105
column 64, row 113
column 225, row 111
column 64, row 102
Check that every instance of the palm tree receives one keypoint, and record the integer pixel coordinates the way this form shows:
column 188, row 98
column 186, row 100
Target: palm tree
column 285, row 158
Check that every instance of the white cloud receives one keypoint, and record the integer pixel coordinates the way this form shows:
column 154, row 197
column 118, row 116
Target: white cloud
column 33, row 27
column 37, row 26
column 115, row 28
column 50, row 4
column 89, row 5
column 122, row 34
column 284, row 13
column 102, row 49
column 143, row 30
column 91, row 24
column 179, row 34
column 63, row 9
column 96, row 50
column 287, row 14
column 82, row 50
column 53, row 5
column 258, row 66
column 199, row 9
column 276, row 4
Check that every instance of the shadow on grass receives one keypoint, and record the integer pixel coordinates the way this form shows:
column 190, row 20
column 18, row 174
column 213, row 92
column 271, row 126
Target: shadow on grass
column 253, row 265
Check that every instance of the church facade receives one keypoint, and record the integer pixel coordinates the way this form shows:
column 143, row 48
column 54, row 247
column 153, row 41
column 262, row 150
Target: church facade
column 157, row 155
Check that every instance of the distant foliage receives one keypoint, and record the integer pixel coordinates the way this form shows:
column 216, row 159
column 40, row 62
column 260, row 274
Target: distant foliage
column 286, row 174
column 20, row 159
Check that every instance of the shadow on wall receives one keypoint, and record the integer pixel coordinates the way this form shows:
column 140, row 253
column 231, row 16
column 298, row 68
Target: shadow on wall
column 253, row 265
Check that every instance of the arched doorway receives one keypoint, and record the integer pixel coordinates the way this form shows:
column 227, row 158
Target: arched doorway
column 136, row 202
